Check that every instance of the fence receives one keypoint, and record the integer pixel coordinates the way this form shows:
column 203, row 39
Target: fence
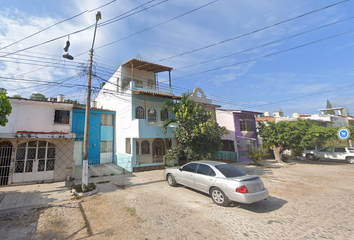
column 226, row 156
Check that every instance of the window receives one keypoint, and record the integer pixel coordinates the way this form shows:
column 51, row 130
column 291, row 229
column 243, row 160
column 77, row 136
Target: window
column 145, row 147
column 127, row 146
column 62, row 117
column 126, row 82
column 327, row 149
column 138, row 83
column 106, row 146
column 139, row 113
column 338, row 149
column 150, row 84
column 229, row 171
column 246, row 125
column 205, row 170
column 106, row 119
column 152, row 115
column 164, row 115
column 29, row 152
column 191, row 167
column 137, row 148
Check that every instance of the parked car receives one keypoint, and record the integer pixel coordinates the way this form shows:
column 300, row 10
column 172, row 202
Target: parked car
column 223, row 182
column 338, row 153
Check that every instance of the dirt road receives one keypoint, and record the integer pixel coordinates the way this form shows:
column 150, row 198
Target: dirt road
column 308, row 200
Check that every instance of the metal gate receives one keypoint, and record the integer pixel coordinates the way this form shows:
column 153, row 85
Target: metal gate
column 5, row 161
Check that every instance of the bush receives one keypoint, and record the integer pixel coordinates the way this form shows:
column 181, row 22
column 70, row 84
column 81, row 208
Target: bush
column 257, row 155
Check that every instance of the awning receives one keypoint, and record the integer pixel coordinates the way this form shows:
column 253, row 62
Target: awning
column 30, row 134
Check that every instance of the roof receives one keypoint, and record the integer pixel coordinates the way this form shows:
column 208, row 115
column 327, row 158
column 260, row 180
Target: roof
column 240, row 111
column 147, row 66
column 148, row 93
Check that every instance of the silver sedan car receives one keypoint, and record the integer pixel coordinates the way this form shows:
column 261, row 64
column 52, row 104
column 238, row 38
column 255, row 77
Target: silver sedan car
column 222, row 181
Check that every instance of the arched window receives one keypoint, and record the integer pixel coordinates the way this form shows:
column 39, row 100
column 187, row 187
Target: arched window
column 164, row 115
column 145, row 147
column 137, row 148
column 152, row 115
column 138, row 83
column 139, row 113
column 150, row 84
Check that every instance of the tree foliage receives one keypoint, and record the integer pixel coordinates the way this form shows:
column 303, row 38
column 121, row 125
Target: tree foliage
column 16, row 96
column 38, row 96
column 198, row 135
column 5, row 109
column 295, row 136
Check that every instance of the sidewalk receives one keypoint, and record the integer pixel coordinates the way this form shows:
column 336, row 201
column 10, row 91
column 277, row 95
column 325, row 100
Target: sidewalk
column 18, row 197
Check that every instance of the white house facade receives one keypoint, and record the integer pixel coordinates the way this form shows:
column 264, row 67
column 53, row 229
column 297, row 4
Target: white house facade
column 37, row 143
column 132, row 92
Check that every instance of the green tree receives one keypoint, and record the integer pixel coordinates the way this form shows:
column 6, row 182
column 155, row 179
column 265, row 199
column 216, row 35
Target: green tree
column 329, row 105
column 286, row 135
column 38, row 96
column 198, row 135
column 5, row 109
column 16, row 96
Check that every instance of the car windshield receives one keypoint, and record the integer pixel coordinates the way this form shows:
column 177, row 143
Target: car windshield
column 229, row 171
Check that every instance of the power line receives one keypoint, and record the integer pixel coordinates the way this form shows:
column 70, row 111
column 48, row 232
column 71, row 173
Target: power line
column 266, row 44
column 265, row 56
column 55, row 25
column 252, row 32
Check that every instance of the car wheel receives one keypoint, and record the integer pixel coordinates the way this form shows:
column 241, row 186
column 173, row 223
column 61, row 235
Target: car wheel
column 219, row 197
column 171, row 180
column 350, row 160
column 311, row 157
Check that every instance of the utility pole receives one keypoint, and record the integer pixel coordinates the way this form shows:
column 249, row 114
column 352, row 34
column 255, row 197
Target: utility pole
column 87, row 113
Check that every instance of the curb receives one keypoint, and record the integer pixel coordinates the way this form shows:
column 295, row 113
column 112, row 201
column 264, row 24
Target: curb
column 86, row 194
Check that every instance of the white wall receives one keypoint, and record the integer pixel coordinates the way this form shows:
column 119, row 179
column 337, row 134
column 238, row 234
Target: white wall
column 226, row 119
column 35, row 116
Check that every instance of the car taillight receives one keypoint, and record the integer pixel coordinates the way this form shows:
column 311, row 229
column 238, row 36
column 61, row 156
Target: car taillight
column 242, row 189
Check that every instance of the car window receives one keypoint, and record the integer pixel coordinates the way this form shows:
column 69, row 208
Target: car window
column 327, row 149
column 191, row 167
column 205, row 170
column 351, row 150
column 229, row 171
column 339, row 149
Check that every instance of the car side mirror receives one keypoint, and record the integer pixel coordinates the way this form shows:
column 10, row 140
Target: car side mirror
column 180, row 169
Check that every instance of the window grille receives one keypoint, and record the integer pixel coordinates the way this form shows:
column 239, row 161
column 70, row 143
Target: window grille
column 164, row 115
column 106, row 119
column 138, row 83
column 145, row 147
column 152, row 115
column 42, row 151
column 246, row 125
column 106, row 146
column 139, row 113
column 62, row 117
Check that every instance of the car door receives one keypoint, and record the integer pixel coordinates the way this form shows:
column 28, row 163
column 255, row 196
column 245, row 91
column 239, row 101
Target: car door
column 325, row 152
column 204, row 178
column 340, row 153
column 186, row 174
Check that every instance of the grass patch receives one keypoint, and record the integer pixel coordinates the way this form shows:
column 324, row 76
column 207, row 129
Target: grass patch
column 90, row 187
column 102, row 182
column 131, row 211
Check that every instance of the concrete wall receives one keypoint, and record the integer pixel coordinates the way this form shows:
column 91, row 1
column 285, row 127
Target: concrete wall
column 36, row 116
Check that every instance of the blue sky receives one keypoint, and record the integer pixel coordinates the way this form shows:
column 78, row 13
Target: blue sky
column 290, row 65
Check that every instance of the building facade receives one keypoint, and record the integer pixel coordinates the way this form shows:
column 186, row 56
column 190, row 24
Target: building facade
column 242, row 131
column 132, row 92
column 37, row 143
